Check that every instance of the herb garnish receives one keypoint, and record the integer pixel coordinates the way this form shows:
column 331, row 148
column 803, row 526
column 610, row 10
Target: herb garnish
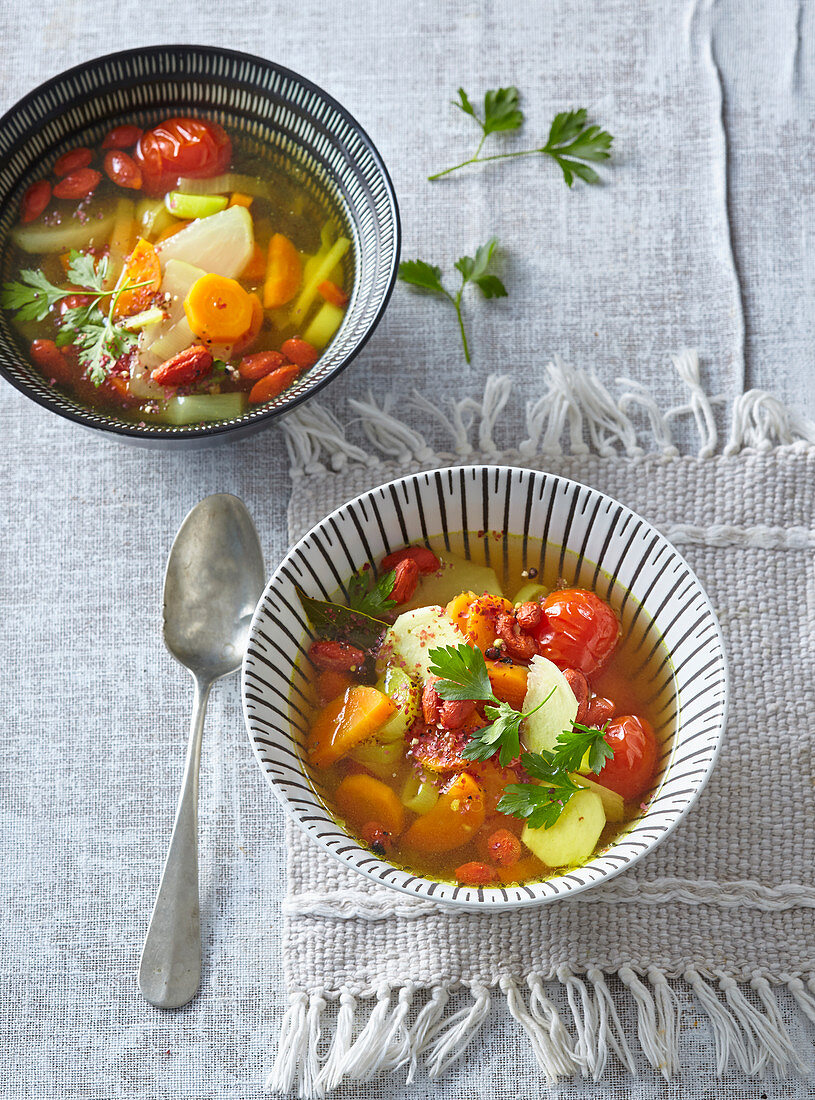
column 572, row 142
column 371, row 599
column 464, row 675
column 333, row 620
column 474, row 270
column 99, row 339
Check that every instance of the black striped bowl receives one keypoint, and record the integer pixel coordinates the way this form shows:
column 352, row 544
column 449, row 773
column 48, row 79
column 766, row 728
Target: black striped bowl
column 595, row 543
column 266, row 109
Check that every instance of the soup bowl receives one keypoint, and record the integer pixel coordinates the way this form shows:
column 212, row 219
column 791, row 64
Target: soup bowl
column 269, row 112
column 493, row 513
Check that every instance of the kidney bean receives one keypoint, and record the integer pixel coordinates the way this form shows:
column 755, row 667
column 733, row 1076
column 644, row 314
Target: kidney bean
column 122, row 137
column 580, row 687
column 474, row 874
column 424, row 558
column 337, row 656
column 600, row 710
column 522, row 647
column 185, row 368
column 260, row 364
column 78, row 185
column 73, row 160
column 123, row 170
column 455, row 712
column 35, row 200
column 504, row 847
column 528, row 615
column 300, row 352
column 405, row 581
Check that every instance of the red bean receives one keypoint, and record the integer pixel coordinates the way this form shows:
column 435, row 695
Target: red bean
column 73, row 160
column 123, row 170
column 337, row 656
column 300, row 352
column 405, row 580
column 424, row 558
column 79, row 185
column 122, row 137
column 35, row 200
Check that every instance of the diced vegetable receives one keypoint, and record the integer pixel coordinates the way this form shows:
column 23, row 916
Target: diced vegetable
column 419, row 796
column 284, row 272
column 480, row 626
column 238, row 198
column 527, row 869
column 221, row 244
column 197, row 408
column 324, row 324
column 455, row 576
column 218, row 309
column 347, row 721
column 256, row 268
column 182, row 205
column 362, row 799
column 453, row 821
column 509, row 683
column 145, row 319
column 230, row 181
column 384, row 760
column 406, row 697
column 613, row 803
column 572, row 838
column 141, row 266
column 408, row 642
column 321, row 272
column 530, row 591
column 122, row 239
column 541, row 729
column 153, row 218
column 171, row 341
column 58, row 238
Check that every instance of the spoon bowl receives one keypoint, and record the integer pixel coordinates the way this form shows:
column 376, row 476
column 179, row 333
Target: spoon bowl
column 213, row 582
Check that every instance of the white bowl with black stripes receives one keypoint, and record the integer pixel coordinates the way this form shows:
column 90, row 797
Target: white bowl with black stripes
column 269, row 111
column 599, row 544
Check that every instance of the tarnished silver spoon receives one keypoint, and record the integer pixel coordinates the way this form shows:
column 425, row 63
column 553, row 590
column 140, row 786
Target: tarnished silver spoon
column 214, row 579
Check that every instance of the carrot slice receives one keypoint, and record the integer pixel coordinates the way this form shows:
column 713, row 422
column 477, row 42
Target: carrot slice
column 362, row 798
column 333, row 294
column 218, row 309
column 330, row 684
column 239, row 199
column 480, row 627
column 273, row 384
column 508, row 683
column 171, row 231
column 453, row 821
column 251, row 334
column 347, row 720
column 256, row 268
column 284, row 272
column 141, row 266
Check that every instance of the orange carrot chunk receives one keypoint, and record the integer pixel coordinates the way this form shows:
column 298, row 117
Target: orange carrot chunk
column 333, row 294
column 362, row 799
column 284, row 272
column 256, row 268
column 345, row 722
column 508, row 683
column 142, row 266
column 453, row 821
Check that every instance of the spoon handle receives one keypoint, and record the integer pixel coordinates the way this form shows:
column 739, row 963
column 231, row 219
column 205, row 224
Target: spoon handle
column 170, row 967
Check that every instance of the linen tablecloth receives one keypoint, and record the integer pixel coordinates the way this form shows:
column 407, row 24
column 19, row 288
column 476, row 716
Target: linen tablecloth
column 700, row 237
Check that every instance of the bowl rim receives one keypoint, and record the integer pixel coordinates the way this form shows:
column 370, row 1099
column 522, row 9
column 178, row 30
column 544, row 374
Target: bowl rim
column 479, row 903
column 263, row 417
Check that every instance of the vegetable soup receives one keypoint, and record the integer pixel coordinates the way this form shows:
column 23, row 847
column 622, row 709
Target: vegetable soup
column 484, row 729
column 168, row 275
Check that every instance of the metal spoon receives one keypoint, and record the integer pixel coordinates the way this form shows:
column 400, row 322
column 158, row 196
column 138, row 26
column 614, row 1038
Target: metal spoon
column 214, row 580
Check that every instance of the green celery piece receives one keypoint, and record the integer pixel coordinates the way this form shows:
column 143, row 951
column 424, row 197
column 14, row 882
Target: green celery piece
column 191, row 207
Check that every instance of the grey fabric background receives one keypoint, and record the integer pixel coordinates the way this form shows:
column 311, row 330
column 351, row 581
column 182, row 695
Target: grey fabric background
column 702, row 236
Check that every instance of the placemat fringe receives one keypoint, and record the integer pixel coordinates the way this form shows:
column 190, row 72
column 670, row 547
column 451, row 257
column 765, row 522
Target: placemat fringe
column 745, row 1018
column 576, row 415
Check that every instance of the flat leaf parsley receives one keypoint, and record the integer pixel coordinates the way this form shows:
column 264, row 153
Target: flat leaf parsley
column 475, row 270
column 572, row 142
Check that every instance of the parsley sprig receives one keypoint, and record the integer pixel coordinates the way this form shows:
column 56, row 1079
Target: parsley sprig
column 92, row 328
column 371, row 599
column 572, row 143
column 463, row 675
column 475, row 270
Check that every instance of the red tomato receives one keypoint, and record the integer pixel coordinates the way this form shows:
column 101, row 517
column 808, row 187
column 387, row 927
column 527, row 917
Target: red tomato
column 192, row 147
column 631, row 768
column 577, row 630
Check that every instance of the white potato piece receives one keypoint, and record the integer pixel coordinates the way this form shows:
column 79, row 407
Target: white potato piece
column 542, row 729
column 408, row 642
column 613, row 803
column 221, row 244
column 572, row 838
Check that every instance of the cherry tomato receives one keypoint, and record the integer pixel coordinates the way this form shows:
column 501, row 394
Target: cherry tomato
column 123, row 170
column 577, row 630
column 79, row 185
column 178, row 147
column 631, row 768
column 122, row 137
column 35, row 200
column 72, row 161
